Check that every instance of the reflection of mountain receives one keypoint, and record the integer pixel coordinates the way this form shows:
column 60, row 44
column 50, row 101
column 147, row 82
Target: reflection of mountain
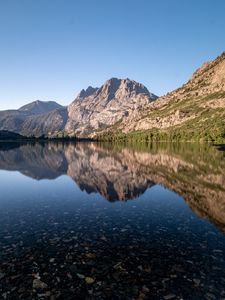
column 35, row 160
column 92, row 168
column 123, row 173
column 95, row 169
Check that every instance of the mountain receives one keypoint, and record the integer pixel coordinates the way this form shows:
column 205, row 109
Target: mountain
column 194, row 111
column 48, row 124
column 92, row 110
column 39, row 107
column 98, row 108
column 31, row 118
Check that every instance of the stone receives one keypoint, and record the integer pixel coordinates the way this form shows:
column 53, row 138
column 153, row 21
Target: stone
column 38, row 284
column 89, row 280
column 169, row 296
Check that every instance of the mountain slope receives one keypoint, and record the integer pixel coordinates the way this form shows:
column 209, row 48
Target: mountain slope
column 98, row 108
column 31, row 119
column 39, row 107
column 48, row 124
column 194, row 111
column 11, row 120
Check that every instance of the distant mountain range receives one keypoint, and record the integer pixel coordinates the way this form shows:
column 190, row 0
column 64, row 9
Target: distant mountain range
column 123, row 108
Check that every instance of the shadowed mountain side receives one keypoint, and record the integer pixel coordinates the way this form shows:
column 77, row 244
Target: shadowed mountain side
column 39, row 107
column 45, row 124
column 122, row 173
column 18, row 120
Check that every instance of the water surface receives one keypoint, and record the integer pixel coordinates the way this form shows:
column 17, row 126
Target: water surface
column 106, row 221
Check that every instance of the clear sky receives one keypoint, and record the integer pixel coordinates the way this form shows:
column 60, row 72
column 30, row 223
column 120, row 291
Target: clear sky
column 51, row 49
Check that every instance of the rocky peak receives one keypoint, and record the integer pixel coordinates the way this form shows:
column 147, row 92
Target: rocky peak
column 123, row 88
column 103, row 107
column 88, row 92
column 39, row 107
column 211, row 73
column 208, row 79
column 109, row 88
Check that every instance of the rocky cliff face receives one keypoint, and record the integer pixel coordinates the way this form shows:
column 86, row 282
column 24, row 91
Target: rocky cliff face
column 98, row 108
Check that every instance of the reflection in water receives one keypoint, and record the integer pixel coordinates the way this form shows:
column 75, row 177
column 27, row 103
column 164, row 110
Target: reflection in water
column 61, row 239
column 124, row 173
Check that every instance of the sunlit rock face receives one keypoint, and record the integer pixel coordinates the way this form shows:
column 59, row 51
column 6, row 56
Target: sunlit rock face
column 120, row 173
column 204, row 92
column 98, row 108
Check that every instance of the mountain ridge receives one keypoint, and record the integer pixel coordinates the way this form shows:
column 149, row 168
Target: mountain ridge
column 40, row 107
column 92, row 109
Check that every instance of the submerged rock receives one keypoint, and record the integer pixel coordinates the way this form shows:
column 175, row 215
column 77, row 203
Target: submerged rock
column 38, row 284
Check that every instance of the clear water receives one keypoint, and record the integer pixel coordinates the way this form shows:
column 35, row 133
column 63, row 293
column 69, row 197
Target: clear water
column 104, row 221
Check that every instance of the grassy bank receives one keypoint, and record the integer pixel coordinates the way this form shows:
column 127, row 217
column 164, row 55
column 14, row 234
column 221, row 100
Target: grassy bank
column 198, row 130
column 173, row 135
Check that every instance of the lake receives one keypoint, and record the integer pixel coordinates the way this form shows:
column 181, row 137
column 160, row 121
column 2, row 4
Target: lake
column 112, row 221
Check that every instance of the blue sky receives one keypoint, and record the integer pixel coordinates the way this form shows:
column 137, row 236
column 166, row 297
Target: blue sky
column 51, row 49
